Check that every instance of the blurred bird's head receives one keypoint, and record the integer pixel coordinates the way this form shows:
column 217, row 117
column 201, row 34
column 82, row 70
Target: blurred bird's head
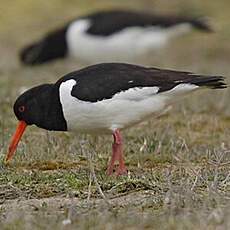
column 51, row 47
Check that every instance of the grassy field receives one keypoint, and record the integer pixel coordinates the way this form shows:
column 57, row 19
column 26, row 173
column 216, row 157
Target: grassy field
column 179, row 175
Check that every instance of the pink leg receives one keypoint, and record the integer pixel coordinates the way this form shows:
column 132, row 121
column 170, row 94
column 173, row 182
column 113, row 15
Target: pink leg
column 117, row 155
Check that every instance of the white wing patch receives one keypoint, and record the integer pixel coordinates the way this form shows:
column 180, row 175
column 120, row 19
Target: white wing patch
column 178, row 92
column 137, row 93
column 182, row 88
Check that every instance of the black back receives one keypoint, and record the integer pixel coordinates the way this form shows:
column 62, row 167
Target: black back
column 103, row 81
column 106, row 23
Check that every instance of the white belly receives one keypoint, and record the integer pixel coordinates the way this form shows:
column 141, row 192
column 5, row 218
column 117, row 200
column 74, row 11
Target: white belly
column 126, row 45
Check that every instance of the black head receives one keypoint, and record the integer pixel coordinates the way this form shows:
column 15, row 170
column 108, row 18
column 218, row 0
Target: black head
column 41, row 106
column 51, row 47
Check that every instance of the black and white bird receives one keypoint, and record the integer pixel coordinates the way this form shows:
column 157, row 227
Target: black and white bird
column 105, row 99
column 115, row 35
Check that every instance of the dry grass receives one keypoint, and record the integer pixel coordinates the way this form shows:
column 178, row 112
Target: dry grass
column 179, row 164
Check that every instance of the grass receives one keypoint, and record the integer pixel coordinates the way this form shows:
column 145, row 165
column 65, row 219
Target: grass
column 178, row 164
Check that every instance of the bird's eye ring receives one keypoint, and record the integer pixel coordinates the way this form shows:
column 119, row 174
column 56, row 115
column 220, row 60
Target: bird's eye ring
column 21, row 108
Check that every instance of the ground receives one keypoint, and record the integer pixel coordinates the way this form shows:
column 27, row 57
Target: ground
column 179, row 163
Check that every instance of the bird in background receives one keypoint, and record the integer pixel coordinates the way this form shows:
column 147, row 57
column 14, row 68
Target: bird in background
column 105, row 99
column 110, row 36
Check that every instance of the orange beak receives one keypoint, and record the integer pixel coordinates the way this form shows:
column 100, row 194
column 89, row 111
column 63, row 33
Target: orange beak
column 15, row 140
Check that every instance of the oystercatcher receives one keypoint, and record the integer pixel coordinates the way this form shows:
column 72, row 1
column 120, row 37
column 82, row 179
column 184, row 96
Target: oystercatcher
column 115, row 35
column 105, row 99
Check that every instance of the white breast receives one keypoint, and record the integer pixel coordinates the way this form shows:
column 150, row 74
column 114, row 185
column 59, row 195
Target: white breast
column 125, row 45
column 124, row 109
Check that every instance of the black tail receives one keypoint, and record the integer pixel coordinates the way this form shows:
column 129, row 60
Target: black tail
column 213, row 82
column 201, row 24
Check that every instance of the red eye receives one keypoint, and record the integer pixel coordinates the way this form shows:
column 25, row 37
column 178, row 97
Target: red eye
column 21, row 108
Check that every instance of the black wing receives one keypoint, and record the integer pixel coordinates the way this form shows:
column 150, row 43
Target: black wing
column 106, row 23
column 103, row 81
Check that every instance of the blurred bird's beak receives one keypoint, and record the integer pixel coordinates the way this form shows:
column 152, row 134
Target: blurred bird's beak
column 15, row 140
